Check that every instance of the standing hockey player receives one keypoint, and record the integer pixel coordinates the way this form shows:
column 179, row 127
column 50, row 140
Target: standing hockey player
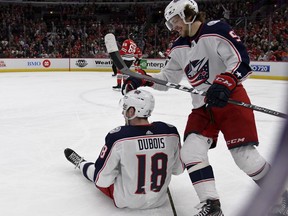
column 127, row 52
column 135, row 165
column 214, row 59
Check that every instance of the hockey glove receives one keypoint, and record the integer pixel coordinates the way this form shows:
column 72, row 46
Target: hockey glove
column 132, row 83
column 219, row 92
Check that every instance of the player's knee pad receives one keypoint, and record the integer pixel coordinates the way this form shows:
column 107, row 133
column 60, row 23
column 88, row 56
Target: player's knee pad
column 195, row 149
column 250, row 161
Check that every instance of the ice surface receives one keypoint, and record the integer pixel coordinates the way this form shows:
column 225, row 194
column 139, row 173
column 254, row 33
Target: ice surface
column 43, row 113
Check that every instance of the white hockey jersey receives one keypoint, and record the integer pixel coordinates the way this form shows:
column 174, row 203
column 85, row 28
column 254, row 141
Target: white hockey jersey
column 214, row 49
column 139, row 161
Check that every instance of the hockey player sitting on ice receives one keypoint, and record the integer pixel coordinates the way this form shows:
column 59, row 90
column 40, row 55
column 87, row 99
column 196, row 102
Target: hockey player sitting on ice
column 127, row 52
column 135, row 165
column 213, row 59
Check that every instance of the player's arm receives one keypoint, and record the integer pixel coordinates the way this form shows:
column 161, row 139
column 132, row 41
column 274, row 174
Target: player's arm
column 234, row 55
column 106, row 166
column 171, row 72
column 178, row 166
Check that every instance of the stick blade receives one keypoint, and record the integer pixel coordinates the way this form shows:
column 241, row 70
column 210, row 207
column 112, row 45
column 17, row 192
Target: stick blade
column 110, row 43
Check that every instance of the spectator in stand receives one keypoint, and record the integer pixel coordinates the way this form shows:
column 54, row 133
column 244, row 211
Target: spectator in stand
column 27, row 30
column 271, row 56
column 262, row 56
column 285, row 55
column 279, row 53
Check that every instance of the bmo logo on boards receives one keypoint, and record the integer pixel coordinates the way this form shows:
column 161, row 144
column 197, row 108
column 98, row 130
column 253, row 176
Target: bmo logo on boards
column 33, row 63
column 46, row 63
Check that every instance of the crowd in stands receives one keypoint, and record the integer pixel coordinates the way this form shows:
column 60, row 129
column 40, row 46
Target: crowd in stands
column 77, row 30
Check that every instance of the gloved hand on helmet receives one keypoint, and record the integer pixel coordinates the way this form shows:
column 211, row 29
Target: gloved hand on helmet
column 132, row 83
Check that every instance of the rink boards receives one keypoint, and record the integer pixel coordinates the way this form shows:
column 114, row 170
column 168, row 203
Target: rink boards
column 261, row 70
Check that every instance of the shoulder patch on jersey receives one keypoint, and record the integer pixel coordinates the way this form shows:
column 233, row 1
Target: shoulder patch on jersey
column 115, row 130
column 213, row 22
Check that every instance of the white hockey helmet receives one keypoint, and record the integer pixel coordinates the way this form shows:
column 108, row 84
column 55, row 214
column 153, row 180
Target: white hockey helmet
column 177, row 7
column 142, row 101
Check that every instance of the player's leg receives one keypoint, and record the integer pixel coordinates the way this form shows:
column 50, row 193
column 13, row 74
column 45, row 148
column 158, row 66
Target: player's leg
column 87, row 169
column 254, row 165
column 108, row 191
column 114, row 68
column 119, row 80
column 120, row 76
column 194, row 154
column 239, row 130
column 73, row 157
column 251, row 162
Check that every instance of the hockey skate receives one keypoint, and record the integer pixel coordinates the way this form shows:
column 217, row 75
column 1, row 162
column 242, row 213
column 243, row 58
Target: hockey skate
column 210, row 208
column 117, row 87
column 282, row 208
column 73, row 157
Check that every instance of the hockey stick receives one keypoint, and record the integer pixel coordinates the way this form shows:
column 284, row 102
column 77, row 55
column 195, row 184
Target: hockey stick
column 112, row 49
column 171, row 202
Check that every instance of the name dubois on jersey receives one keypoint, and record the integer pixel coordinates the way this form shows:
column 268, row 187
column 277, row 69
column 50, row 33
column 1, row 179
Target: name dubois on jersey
column 151, row 143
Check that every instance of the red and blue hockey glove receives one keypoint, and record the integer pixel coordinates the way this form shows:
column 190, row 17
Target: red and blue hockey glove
column 132, row 83
column 219, row 92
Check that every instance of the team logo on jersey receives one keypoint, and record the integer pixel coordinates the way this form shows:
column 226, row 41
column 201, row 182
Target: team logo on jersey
column 197, row 71
column 115, row 130
column 149, row 132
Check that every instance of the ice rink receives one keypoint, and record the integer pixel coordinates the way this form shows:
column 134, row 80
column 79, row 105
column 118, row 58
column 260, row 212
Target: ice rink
column 43, row 113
